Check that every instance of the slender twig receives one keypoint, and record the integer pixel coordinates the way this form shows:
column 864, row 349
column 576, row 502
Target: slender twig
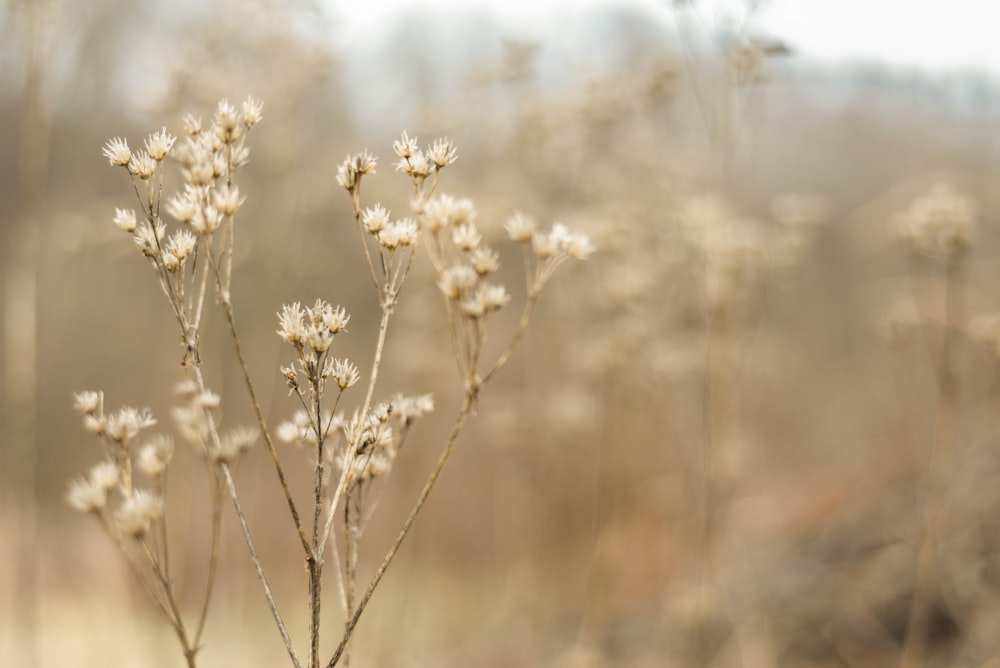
column 351, row 451
column 213, row 559
column 463, row 416
column 258, row 566
column 265, row 433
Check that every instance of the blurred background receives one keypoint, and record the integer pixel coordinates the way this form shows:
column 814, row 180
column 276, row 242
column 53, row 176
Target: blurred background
column 754, row 429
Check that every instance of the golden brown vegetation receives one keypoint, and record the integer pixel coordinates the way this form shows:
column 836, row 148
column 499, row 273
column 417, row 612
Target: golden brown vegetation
column 757, row 428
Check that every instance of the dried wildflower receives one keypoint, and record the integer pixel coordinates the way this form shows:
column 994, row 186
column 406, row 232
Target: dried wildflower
column 418, row 166
column 364, row 163
column 466, row 237
column 227, row 199
column 335, row 319
column 941, row 224
column 252, row 111
column 206, row 220
column 492, row 297
column 117, row 152
column 125, row 220
column 181, row 244
column 291, row 377
column 128, row 422
column 171, row 262
column 444, row 211
column 187, row 388
column 291, row 320
column 375, row 219
column 158, row 144
column 347, row 175
column 155, row 456
column 235, row 442
column 521, row 227
column 138, row 512
column 86, row 496
column 456, row 280
column 320, row 339
column 408, row 409
column 192, row 124
column 442, row 153
column 105, row 475
column 142, row 165
column 579, row 247
column 544, row 245
column 485, row 261
column 207, row 399
column 398, row 233
column 241, row 156
column 192, row 424
column 227, row 122
column 94, row 424
column 86, row 402
column 344, row 373
column 289, row 432
column 405, row 147
column 147, row 240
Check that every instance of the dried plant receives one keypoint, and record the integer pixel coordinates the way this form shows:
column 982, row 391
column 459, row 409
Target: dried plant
column 348, row 449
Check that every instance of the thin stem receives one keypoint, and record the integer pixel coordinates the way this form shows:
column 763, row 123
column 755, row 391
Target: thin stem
column 315, row 564
column 463, row 416
column 356, row 202
column 230, row 318
column 351, row 452
column 213, row 559
column 258, row 566
column 529, row 307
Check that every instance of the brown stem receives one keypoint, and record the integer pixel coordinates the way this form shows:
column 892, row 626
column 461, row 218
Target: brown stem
column 449, row 446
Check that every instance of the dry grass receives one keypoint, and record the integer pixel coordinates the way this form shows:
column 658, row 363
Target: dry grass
column 730, row 438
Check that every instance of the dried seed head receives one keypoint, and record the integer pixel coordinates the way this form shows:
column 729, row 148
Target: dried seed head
column 87, row 402
column 456, row 280
column 192, row 125
column 344, row 373
column 405, row 147
column 408, row 409
column 86, row 496
column 105, row 475
column 138, row 512
column 485, row 261
column 521, row 227
column 117, row 152
column 442, row 153
column 398, row 233
column 181, row 244
column 291, row 321
column 466, row 237
column 125, row 220
column 252, row 111
column 375, row 219
column 227, row 122
column 227, row 199
column 234, row 443
column 158, row 144
column 142, row 165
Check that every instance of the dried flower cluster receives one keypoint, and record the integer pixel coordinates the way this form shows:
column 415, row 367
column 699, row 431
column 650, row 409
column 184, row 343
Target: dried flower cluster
column 362, row 443
column 208, row 160
column 940, row 224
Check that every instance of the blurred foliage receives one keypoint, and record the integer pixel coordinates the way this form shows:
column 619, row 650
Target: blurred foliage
column 670, row 473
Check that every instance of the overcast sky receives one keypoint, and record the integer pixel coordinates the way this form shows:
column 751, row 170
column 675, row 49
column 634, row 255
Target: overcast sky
column 922, row 33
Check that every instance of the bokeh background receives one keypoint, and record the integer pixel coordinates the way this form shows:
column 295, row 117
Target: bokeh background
column 752, row 430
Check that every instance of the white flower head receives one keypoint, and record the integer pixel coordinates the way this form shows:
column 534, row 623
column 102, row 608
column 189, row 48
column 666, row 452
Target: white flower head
column 117, row 152
column 159, row 143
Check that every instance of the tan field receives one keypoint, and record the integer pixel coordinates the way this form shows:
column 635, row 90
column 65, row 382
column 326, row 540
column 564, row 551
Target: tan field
column 702, row 337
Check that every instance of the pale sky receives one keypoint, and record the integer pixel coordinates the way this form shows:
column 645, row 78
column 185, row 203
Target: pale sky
column 922, row 33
